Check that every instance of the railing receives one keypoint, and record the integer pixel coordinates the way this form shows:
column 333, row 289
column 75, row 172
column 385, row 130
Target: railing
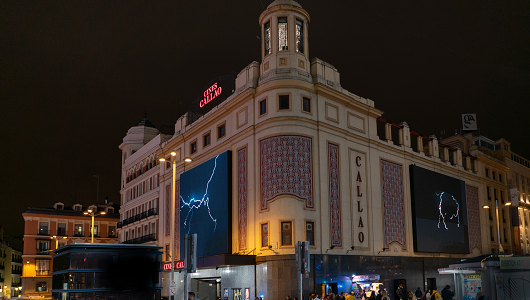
column 138, row 217
column 43, row 251
column 42, row 272
column 61, row 232
column 16, row 284
column 16, row 272
column 17, row 260
column 142, row 239
column 78, row 234
column 44, row 232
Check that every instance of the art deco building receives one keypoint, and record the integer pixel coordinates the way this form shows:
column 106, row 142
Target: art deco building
column 281, row 152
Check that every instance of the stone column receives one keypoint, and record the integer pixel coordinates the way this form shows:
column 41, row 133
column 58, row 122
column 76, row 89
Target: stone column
column 405, row 134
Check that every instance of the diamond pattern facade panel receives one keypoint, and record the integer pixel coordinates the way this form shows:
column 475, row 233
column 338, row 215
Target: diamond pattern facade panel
column 473, row 218
column 393, row 203
column 286, row 168
column 242, row 196
column 177, row 218
column 334, row 195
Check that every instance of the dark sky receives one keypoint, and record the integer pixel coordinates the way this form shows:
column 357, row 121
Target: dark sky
column 76, row 75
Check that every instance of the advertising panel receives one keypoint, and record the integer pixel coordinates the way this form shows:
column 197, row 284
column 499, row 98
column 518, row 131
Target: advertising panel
column 205, row 205
column 439, row 213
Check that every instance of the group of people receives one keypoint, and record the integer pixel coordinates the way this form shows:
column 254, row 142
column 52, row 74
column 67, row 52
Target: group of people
column 380, row 295
column 446, row 294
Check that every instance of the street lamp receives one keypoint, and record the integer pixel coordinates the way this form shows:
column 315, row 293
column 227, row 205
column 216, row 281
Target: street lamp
column 91, row 213
column 498, row 226
column 172, row 211
column 57, row 240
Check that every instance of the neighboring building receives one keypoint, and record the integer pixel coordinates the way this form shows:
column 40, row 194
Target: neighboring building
column 115, row 272
column 46, row 229
column 518, row 177
column 10, row 269
column 281, row 153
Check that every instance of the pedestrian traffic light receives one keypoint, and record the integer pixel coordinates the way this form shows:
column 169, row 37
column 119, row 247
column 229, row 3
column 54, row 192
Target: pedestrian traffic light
column 190, row 254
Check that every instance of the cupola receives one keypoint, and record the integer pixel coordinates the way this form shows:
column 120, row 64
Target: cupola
column 284, row 47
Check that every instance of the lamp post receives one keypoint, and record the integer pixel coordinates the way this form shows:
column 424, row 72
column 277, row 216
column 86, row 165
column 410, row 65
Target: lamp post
column 57, row 240
column 172, row 211
column 497, row 222
column 91, row 213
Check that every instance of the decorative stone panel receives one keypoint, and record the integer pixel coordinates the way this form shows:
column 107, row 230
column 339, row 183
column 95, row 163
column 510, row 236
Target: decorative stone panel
column 168, row 209
column 473, row 218
column 393, row 203
column 177, row 219
column 286, row 168
column 334, row 195
column 242, row 196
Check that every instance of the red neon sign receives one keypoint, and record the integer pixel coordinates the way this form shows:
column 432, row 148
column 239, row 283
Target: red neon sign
column 210, row 94
column 178, row 265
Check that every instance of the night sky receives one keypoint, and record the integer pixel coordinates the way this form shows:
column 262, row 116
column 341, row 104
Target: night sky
column 76, row 75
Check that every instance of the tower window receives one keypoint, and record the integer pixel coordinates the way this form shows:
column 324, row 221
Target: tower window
column 265, row 235
column 284, row 101
column 263, row 107
column 267, row 38
column 306, row 104
column 299, row 36
column 282, row 34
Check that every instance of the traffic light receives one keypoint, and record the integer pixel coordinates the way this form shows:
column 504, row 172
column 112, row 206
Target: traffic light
column 190, row 254
column 302, row 257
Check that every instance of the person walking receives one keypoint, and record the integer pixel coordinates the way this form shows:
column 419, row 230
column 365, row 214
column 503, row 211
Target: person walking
column 435, row 295
column 385, row 295
column 480, row 296
column 400, row 292
column 418, row 293
column 447, row 294
column 428, row 294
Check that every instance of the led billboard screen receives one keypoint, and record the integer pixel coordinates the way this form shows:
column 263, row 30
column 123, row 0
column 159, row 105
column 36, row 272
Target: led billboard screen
column 205, row 205
column 439, row 213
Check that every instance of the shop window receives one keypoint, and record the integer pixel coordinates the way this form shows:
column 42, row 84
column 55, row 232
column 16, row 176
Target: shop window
column 42, row 267
column 221, row 131
column 284, row 102
column 193, row 147
column 265, row 235
column 287, row 233
column 263, row 107
column 43, row 228
column 306, row 104
column 78, row 230
column 41, row 286
column 206, row 140
column 299, row 36
column 282, row 34
column 310, row 233
column 267, row 38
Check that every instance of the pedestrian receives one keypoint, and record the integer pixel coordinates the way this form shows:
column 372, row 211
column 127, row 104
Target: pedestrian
column 435, row 295
column 447, row 294
column 379, row 295
column 428, row 295
column 400, row 292
column 350, row 296
column 316, row 297
column 410, row 295
column 385, row 295
column 191, row 296
column 480, row 296
column 418, row 293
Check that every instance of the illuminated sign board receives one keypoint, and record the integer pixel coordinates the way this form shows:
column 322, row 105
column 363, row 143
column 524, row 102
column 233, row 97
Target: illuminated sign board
column 205, row 205
column 373, row 277
column 439, row 212
column 178, row 265
column 210, row 94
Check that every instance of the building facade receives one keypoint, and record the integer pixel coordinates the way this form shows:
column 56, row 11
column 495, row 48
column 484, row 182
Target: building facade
column 46, row 229
column 307, row 160
column 10, row 269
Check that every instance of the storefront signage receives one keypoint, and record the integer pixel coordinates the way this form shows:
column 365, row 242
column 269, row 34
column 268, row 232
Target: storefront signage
column 210, row 94
column 373, row 277
column 359, row 199
column 473, row 276
column 178, row 265
column 515, row 263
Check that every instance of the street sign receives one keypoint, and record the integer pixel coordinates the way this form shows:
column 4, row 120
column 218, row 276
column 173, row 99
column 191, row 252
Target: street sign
column 173, row 287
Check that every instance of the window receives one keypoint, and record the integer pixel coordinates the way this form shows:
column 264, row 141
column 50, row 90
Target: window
column 267, row 38
column 299, row 36
column 78, row 230
column 504, row 234
column 495, row 194
column 487, row 172
column 502, row 197
column 265, row 235
column 42, row 267
column 282, row 34
column 62, row 243
column 283, row 101
column 110, row 210
column 263, row 107
column 153, row 228
column 287, row 233
column 112, row 231
column 96, row 230
column 221, row 131
column 43, row 246
column 41, row 287
column 488, row 192
column 168, row 163
column 193, row 147
column 61, row 229
column 310, row 232
column 494, row 175
column 78, row 207
column 206, row 140
column 306, row 104
column 491, row 235
column 146, row 230
column 168, row 258
column 43, row 228
column 500, row 177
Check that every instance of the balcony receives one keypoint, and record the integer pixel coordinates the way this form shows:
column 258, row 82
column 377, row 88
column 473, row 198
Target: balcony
column 120, row 225
column 143, row 215
column 151, row 212
column 44, row 232
column 16, row 284
column 19, row 272
column 17, row 260
column 142, row 239
column 138, row 217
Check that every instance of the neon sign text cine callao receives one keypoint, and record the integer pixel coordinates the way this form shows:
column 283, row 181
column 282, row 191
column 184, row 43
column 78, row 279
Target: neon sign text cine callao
column 210, row 94
column 178, row 265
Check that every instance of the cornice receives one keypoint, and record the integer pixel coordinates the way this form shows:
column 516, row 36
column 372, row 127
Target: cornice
column 347, row 101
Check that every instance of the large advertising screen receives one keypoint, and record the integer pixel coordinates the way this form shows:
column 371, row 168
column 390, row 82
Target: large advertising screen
column 439, row 213
column 205, row 205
